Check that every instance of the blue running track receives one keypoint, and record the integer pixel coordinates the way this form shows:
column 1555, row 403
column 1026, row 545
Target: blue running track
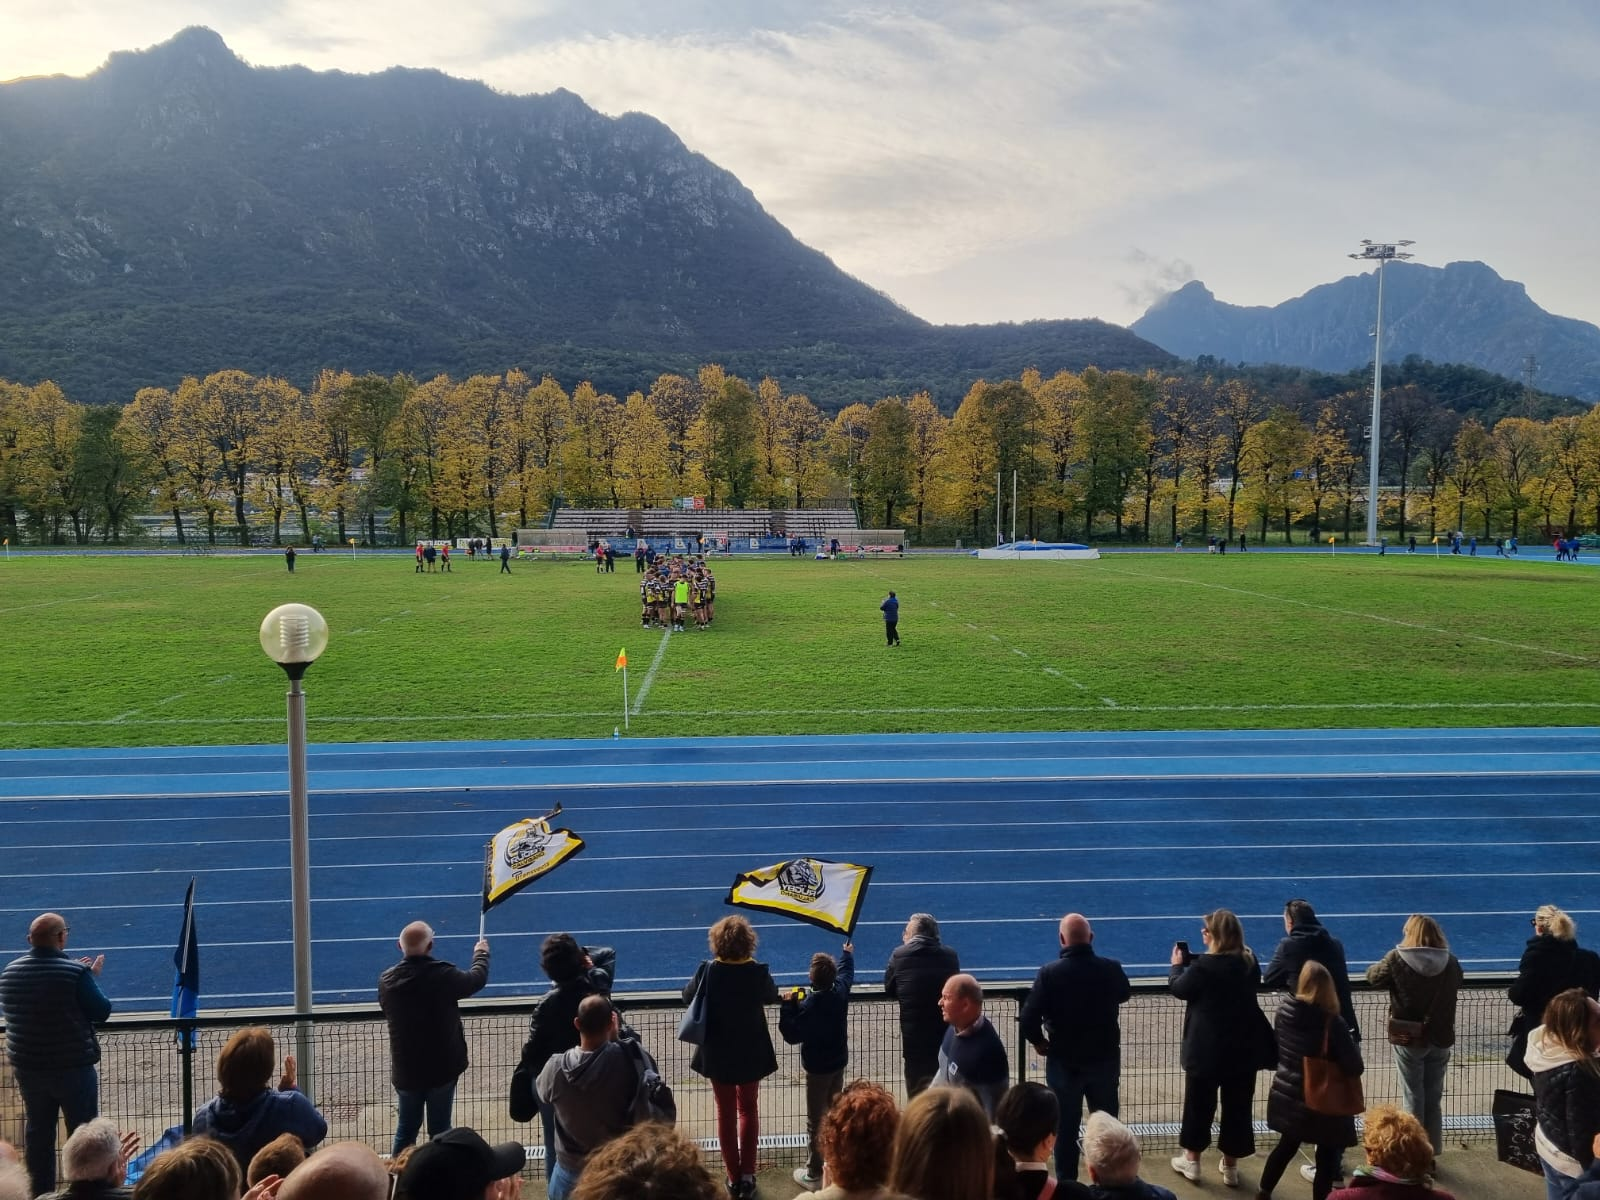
column 995, row 834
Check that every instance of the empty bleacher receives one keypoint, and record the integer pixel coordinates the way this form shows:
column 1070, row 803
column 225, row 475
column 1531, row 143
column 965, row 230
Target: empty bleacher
column 812, row 524
column 739, row 524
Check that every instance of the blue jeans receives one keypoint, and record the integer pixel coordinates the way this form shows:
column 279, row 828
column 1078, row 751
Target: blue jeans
column 73, row 1093
column 1097, row 1084
column 1421, row 1070
column 438, row 1103
column 547, row 1118
column 1556, row 1185
column 562, row 1181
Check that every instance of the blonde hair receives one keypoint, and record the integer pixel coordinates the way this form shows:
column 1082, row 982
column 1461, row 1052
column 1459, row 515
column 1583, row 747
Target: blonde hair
column 1227, row 935
column 1316, row 987
column 944, row 1148
column 1397, row 1142
column 732, row 939
column 1550, row 919
column 1423, row 931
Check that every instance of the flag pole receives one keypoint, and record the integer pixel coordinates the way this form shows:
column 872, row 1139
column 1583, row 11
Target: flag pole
column 483, row 918
column 625, row 697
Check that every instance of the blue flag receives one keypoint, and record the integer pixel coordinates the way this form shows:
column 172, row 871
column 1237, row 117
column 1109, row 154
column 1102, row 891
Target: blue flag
column 186, row 985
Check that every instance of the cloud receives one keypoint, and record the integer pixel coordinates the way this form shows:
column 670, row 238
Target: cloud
column 1152, row 278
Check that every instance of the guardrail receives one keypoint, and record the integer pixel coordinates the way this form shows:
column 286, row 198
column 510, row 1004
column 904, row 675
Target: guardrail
column 142, row 1071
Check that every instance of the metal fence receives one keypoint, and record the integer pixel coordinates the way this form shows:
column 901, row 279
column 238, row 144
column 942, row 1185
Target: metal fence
column 142, row 1070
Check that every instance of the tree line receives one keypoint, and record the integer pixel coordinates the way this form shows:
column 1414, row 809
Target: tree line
column 1088, row 455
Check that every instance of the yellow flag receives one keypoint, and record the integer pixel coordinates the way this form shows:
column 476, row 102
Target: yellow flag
column 813, row 890
column 1331, row 540
column 520, row 853
column 622, row 658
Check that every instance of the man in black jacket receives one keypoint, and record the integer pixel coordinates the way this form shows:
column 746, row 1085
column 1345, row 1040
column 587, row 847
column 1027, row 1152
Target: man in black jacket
column 1308, row 940
column 915, row 976
column 1071, row 1018
column 427, row 1046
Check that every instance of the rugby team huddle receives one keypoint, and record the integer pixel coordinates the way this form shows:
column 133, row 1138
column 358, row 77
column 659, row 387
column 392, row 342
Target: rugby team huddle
column 674, row 589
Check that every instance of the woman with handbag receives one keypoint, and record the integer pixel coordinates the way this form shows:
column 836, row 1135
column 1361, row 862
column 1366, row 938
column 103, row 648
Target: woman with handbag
column 1317, row 1061
column 1221, row 1022
column 1552, row 962
column 1566, row 1089
column 735, row 1052
column 1422, row 978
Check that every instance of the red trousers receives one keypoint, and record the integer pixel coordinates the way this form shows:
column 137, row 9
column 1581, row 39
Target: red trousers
column 738, row 1126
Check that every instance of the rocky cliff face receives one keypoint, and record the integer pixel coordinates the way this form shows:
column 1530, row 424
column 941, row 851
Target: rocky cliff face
column 1463, row 313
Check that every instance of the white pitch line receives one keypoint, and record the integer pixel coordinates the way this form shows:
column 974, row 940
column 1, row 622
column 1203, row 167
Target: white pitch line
column 650, row 675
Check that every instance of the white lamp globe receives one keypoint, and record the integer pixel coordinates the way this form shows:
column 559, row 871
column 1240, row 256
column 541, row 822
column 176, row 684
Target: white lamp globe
column 294, row 635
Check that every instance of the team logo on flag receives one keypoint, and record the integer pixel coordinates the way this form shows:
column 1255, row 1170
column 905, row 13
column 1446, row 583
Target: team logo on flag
column 521, row 853
column 813, row 890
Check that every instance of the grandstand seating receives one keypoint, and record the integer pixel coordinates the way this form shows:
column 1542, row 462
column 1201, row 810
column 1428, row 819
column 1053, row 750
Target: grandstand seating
column 812, row 524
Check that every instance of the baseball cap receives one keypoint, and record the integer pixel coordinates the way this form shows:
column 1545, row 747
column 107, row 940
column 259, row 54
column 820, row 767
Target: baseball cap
column 457, row 1165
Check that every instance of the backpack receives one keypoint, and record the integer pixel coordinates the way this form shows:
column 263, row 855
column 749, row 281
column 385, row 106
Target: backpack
column 652, row 1099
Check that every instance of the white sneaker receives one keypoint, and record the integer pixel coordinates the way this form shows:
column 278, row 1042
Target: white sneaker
column 1188, row 1167
column 1230, row 1174
column 1308, row 1172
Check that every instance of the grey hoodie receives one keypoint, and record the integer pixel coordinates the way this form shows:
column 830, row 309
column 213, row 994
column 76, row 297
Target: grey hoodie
column 1422, row 982
column 592, row 1092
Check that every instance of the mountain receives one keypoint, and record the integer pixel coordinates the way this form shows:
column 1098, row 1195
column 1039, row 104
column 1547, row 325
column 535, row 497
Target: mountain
column 179, row 211
column 1460, row 313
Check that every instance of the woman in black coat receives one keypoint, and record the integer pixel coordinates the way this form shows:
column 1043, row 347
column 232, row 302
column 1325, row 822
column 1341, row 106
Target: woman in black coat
column 1222, row 1026
column 1308, row 1026
column 1552, row 962
column 737, row 1053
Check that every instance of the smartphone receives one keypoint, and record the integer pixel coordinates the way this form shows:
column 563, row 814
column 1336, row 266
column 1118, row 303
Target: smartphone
column 1183, row 949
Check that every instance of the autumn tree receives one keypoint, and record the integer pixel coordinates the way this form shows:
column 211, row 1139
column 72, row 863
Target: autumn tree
column 1517, row 445
column 928, row 426
column 727, row 436
column 886, row 460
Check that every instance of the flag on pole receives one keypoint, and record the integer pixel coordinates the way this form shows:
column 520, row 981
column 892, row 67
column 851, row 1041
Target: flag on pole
column 186, row 960
column 520, row 853
column 813, row 890
column 622, row 660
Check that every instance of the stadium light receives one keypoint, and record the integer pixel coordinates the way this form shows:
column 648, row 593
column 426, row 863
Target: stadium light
column 1379, row 252
column 294, row 636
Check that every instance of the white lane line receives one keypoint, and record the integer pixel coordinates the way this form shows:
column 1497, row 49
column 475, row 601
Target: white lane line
column 1347, row 612
column 650, row 675
column 171, row 699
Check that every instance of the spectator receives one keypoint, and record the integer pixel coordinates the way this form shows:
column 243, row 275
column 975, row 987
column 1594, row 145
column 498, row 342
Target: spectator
column 459, row 1165
column 1308, row 941
column 1222, row 1026
column 427, row 1045
column 247, row 1111
column 857, row 1143
column 1112, row 1154
column 278, row 1157
column 650, row 1162
column 1399, row 1160
column 51, row 1003
column 1422, row 978
column 819, row 1024
column 1552, row 962
column 590, row 1091
column 342, row 1171
column 972, row 1055
column 915, row 976
column 1309, row 1026
column 737, row 1053
column 1025, row 1132
column 1566, row 1088
column 553, row 1030
column 95, row 1162
column 1071, row 1018
column 200, row 1168
column 943, row 1149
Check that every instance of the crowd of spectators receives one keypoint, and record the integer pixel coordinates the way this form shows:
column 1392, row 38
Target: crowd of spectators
column 963, row 1132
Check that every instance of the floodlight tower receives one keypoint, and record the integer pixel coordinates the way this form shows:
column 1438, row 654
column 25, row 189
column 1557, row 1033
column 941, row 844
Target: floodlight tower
column 1381, row 252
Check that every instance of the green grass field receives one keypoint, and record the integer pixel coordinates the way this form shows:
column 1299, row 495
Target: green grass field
column 110, row 651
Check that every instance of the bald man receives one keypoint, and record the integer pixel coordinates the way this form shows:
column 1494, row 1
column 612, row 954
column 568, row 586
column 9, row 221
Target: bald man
column 52, row 1004
column 427, row 1046
column 1071, row 1018
column 342, row 1171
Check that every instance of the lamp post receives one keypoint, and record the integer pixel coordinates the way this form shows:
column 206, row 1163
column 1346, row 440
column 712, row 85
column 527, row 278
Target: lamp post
column 294, row 635
column 1380, row 252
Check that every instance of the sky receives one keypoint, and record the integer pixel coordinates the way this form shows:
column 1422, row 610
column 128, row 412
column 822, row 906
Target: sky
column 1002, row 160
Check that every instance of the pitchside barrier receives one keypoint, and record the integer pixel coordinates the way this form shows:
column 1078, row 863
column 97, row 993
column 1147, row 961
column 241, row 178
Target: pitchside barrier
column 142, row 1071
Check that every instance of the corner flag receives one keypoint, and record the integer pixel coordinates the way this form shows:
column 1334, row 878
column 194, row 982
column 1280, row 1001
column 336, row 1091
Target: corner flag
column 622, row 660
column 813, row 890
column 520, row 853
column 186, row 959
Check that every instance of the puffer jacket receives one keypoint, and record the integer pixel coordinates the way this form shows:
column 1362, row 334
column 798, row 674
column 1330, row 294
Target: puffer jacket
column 1301, row 1028
column 1550, row 965
column 1566, row 1100
column 1422, row 982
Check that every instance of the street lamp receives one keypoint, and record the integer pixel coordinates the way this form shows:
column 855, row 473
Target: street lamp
column 1380, row 252
column 294, row 635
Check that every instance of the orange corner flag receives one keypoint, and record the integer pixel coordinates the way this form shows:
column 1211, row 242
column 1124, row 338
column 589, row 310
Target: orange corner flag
column 622, row 659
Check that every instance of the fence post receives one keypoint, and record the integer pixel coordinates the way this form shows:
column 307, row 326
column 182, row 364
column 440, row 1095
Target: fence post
column 186, row 1059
